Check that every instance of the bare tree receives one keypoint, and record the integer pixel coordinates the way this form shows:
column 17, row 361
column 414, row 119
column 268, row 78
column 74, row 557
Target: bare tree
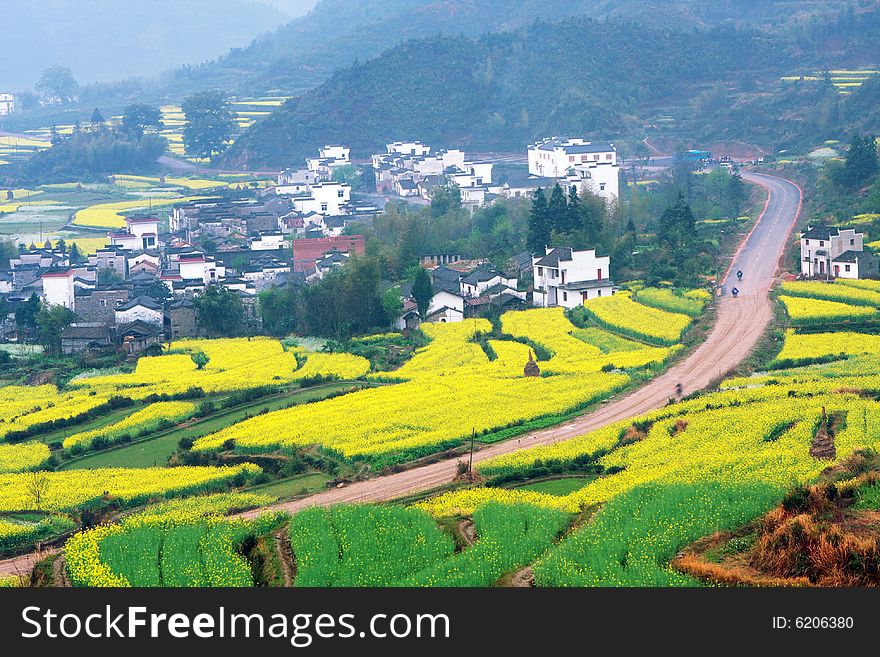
column 38, row 487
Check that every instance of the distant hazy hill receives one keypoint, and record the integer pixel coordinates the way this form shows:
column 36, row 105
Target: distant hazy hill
column 335, row 33
column 105, row 40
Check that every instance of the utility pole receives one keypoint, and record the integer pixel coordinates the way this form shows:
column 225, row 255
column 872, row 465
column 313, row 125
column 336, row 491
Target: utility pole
column 471, row 457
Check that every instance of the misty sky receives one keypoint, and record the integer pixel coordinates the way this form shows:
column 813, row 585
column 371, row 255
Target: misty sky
column 109, row 40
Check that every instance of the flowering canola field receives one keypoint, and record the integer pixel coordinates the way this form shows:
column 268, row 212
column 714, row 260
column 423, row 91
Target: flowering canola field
column 449, row 388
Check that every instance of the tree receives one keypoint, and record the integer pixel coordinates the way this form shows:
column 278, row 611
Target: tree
column 422, row 291
column 860, row 164
column 278, row 308
column 75, row 255
column 736, row 195
column 557, row 209
column 57, row 84
column 62, row 245
column 573, row 217
column 7, row 252
column 137, row 118
column 445, row 199
column 97, row 118
column 51, row 321
column 37, row 486
column 539, row 224
column 26, row 316
column 677, row 225
column 109, row 276
column 220, row 311
column 392, row 304
column 209, row 123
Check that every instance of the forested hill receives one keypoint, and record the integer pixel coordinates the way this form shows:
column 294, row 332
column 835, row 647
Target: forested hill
column 578, row 76
column 336, row 33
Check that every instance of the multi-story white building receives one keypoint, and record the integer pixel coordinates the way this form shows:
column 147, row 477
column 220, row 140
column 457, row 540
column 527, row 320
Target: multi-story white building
column 822, row 245
column 563, row 277
column 330, row 157
column 587, row 164
column 7, row 104
column 326, row 198
column 58, row 287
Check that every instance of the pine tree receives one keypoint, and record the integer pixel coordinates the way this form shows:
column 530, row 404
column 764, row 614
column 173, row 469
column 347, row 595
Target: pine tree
column 574, row 212
column 557, row 210
column 422, row 291
column 861, row 161
column 677, row 225
column 539, row 227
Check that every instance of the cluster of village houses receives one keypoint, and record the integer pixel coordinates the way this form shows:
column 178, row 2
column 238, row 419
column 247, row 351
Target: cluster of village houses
column 301, row 228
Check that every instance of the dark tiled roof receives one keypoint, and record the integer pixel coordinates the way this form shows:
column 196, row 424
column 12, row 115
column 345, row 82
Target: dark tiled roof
column 74, row 332
column 854, row 256
column 480, row 275
column 587, row 285
column 557, row 255
column 145, row 301
column 820, row 233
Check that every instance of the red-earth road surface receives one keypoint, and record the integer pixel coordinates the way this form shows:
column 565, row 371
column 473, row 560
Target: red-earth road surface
column 739, row 325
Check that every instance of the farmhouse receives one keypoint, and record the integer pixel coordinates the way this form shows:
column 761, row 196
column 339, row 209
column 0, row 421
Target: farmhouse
column 564, row 277
column 856, row 264
column 144, row 309
column 822, row 248
column 586, row 164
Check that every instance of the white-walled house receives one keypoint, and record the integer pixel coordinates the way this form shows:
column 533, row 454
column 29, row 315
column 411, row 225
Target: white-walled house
column 58, row 287
column 146, row 229
column 267, row 241
column 821, row 246
column 589, row 164
column 7, row 104
column 327, row 198
column 856, row 264
column 483, row 278
column 563, row 277
column 198, row 266
column 445, row 307
column 145, row 309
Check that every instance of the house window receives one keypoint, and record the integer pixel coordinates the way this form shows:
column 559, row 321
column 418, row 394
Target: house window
column 571, row 158
column 846, row 268
column 599, row 292
column 852, row 242
column 608, row 156
column 821, row 243
column 599, row 275
column 540, row 271
column 565, row 296
column 103, row 303
column 807, row 242
column 340, row 193
column 323, row 207
column 601, row 187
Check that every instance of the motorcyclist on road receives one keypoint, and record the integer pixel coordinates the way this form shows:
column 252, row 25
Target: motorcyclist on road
column 735, row 291
column 739, row 274
column 678, row 389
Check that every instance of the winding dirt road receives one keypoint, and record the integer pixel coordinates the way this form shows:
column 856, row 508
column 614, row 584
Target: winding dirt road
column 740, row 323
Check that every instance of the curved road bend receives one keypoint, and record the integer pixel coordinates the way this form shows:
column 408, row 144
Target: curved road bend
column 739, row 325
